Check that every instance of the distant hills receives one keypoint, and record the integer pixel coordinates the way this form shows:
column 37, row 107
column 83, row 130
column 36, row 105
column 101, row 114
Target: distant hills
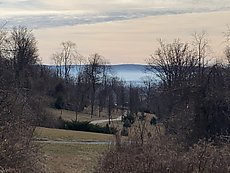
column 128, row 72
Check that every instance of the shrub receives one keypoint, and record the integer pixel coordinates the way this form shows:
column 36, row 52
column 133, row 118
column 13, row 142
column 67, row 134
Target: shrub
column 17, row 124
column 86, row 126
column 162, row 154
column 59, row 103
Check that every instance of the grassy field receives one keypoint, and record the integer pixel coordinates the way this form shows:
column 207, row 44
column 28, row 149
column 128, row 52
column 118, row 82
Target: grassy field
column 82, row 116
column 74, row 157
column 71, row 157
column 68, row 135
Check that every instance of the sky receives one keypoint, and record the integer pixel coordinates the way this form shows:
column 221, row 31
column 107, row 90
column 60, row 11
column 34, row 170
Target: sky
column 122, row 31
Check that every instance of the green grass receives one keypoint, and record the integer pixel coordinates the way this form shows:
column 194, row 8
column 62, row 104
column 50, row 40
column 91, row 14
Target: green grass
column 68, row 135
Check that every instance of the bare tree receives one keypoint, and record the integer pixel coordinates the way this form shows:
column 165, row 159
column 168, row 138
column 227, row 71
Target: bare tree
column 122, row 95
column 190, row 88
column 149, row 83
column 175, row 63
column 227, row 48
column 227, row 53
column 110, row 101
column 23, row 47
column 94, row 71
column 134, row 100
column 81, row 86
column 201, row 49
column 65, row 59
column 105, row 88
column 58, row 62
column 3, row 43
column 18, row 121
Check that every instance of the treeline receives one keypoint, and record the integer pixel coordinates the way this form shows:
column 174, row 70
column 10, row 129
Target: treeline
column 193, row 108
column 190, row 102
column 94, row 86
column 27, row 88
column 195, row 94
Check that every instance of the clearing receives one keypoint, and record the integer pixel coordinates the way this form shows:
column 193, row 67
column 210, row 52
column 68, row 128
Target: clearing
column 64, row 155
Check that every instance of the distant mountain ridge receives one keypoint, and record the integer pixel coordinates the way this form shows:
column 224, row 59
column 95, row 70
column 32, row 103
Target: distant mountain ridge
column 128, row 72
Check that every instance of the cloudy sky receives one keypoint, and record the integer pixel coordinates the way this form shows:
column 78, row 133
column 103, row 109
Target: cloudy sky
column 123, row 31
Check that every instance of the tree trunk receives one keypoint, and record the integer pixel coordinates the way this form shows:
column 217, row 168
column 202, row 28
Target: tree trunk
column 76, row 115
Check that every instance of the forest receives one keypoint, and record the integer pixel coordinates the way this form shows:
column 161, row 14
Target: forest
column 179, row 124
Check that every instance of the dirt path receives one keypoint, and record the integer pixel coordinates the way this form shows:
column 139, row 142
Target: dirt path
column 48, row 141
column 104, row 121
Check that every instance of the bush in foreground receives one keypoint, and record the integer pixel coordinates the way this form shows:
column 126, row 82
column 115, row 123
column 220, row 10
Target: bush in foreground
column 18, row 153
column 163, row 154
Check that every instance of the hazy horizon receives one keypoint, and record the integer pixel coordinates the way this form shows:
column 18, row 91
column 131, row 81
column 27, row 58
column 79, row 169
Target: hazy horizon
column 122, row 31
column 134, row 73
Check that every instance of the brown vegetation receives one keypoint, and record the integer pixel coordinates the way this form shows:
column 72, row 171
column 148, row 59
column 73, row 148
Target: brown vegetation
column 162, row 154
column 17, row 124
column 19, row 107
column 192, row 103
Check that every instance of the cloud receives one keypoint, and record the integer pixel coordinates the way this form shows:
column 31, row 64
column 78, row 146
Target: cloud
column 53, row 13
